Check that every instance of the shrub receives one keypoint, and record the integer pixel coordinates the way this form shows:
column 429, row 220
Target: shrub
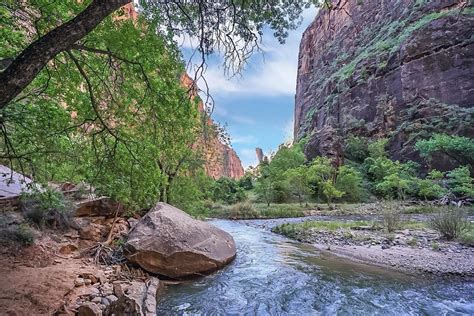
column 356, row 148
column 377, row 148
column 228, row 191
column 391, row 218
column 461, row 182
column 21, row 234
column 47, row 208
column 467, row 237
column 450, row 223
column 430, row 187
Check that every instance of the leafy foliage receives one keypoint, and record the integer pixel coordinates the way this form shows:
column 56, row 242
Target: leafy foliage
column 113, row 115
column 356, row 149
column 461, row 182
column 47, row 208
column 227, row 190
column 459, row 148
column 349, row 180
column 298, row 182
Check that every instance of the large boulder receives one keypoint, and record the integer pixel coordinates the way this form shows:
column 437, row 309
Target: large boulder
column 169, row 242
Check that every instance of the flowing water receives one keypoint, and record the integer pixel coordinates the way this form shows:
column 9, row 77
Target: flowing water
column 272, row 275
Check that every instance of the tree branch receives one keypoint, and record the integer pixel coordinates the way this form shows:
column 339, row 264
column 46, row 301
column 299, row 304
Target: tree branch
column 34, row 58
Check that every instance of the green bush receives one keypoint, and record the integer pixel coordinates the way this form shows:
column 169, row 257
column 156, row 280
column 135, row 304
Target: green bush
column 450, row 223
column 376, row 148
column 47, row 208
column 228, row 191
column 21, row 234
column 430, row 187
column 467, row 237
column 461, row 182
column 356, row 149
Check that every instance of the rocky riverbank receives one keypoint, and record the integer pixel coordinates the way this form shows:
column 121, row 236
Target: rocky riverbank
column 63, row 271
column 101, row 263
column 416, row 248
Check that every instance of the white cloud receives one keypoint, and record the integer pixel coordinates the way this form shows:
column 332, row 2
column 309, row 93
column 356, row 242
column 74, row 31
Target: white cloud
column 271, row 73
column 247, row 139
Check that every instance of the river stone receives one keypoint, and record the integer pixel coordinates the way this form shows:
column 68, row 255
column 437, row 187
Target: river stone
column 169, row 242
column 139, row 299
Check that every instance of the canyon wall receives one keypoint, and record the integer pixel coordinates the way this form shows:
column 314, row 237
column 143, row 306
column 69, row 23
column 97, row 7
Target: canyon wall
column 401, row 69
column 220, row 160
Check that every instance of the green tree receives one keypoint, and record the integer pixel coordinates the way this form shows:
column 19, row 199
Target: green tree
column 298, row 182
column 349, row 180
column 265, row 187
column 61, row 25
column 461, row 182
column 356, row 149
column 127, row 129
column 228, row 191
column 431, row 187
column 459, row 148
column 322, row 173
column 190, row 191
column 376, row 148
column 246, row 182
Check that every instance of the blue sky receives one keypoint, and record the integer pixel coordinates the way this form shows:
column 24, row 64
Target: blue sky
column 258, row 105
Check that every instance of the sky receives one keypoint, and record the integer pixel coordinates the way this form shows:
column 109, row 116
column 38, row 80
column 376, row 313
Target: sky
column 257, row 107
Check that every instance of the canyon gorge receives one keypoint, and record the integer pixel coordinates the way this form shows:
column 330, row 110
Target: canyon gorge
column 396, row 69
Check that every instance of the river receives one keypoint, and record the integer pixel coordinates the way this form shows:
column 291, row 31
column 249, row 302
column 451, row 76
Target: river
column 273, row 275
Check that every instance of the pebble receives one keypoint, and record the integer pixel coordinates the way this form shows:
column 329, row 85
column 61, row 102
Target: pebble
column 97, row 300
column 111, row 298
column 105, row 301
column 79, row 282
column 94, row 292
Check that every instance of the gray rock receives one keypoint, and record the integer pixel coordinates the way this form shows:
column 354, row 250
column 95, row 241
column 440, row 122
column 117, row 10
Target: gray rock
column 89, row 309
column 105, row 301
column 111, row 298
column 97, row 300
column 139, row 299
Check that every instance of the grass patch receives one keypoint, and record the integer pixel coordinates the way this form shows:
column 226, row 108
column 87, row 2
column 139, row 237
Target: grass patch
column 467, row 237
column 414, row 225
column 297, row 229
column 246, row 210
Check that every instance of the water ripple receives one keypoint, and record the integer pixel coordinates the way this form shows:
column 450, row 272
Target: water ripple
column 274, row 276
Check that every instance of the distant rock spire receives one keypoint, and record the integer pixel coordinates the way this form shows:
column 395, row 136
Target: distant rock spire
column 259, row 153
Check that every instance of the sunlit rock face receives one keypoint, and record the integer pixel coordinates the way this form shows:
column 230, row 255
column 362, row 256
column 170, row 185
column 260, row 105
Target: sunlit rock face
column 220, row 159
column 401, row 69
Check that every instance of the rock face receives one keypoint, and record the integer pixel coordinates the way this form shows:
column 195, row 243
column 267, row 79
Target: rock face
column 220, row 159
column 169, row 242
column 402, row 69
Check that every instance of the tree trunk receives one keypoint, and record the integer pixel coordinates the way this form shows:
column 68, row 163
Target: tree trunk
column 29, row 63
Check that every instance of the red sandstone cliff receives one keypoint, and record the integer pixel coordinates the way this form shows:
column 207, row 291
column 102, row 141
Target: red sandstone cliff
column 402, row 69
column 220, row 159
